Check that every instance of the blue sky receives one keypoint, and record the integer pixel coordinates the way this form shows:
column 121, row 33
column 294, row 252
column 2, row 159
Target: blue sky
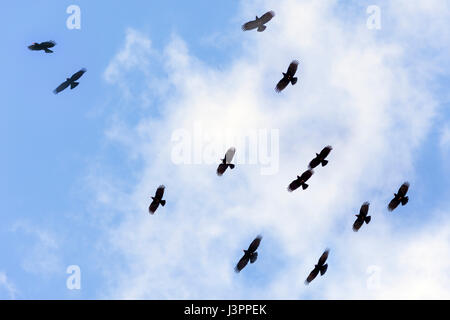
column 78, row 168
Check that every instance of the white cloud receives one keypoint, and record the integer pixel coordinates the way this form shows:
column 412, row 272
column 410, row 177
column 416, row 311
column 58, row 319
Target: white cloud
column 6, row 284
column 355, row 92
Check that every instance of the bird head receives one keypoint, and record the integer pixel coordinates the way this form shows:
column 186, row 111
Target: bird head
column 153, row 198
column 245, row 251
column 298, row 177
column 317, row 154
column 284, row 74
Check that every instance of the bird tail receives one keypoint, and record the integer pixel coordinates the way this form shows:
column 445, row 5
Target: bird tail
column 163, row 202
column 305, row 186
column 48, row 50
column 367, row 219
column 294, row 80
column 253, row 257
column 405, row 201
column 231, row 166
column 324, row 163
column 323, row 269
column 261, row 28
column 74, row 84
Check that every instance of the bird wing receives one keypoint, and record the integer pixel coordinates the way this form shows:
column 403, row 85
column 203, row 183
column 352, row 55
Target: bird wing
column 61, row 87
column 255, row 244
column 221, row 169
column 250, row 25
column 312, row 275
column 292, row 69
column 153, row 206
column 281, row 84
column 306, row 175
column 357, row 224
column 314, row 163
column 393, row 204
column 159, row 192
column 294, row 185
column 364, row 209
column 230, row 154
column 323, row 258
column 403, row 189
column 77, row 75
column 325, row 152
column 242, row 263
column 48, row 44
column 266, row 17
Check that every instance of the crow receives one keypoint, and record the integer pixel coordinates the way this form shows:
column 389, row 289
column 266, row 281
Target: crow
column 320, row 158
column 259, row 22
column 70, row 81
column 300, row 181
column 43, row 46
column 288, row 77
column 157, row 199
column 362, row 217
column 226, row 161
column 399, row 197
column 249, row 255
column 319, row 267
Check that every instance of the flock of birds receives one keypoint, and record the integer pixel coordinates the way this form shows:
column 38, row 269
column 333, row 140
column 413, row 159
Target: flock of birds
column 251, row 254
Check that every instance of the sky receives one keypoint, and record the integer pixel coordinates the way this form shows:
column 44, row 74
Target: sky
column 169, row 87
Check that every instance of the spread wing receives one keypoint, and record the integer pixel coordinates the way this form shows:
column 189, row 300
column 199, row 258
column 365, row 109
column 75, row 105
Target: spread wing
column 77, row 75
column 34, row 46
column 48, row 44
column 403, row 189
column 221, row 169
column 230, row 154
column 242, row 263
column 306, row 175
column 281, row 84
column 159, row 192
column 323, row 258
column 250, row 25
column 292, row 69
column 358, row 223
column 364, row 209
column 314, row 163
column 61, row 87
column 312, row 275
column 255, row 244
column 266, row 17
column 294, row 185
column 325, row 152
column 393, row 204
column 153, row 206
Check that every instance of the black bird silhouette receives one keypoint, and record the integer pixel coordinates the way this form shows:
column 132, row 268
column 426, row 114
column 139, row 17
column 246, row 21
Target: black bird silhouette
column 399, row 197
column 320, row 158
column 157, row 200
column 288, row 77
column 362, row 217
column 249, row 255
column 70, row 81
column 300, row 181
column 226, row 161
column 259, row 22
column 319, row 267
column 43, row 46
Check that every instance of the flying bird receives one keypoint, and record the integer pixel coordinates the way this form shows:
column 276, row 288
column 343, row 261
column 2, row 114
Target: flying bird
column 319, row 267
column 362, row 217
column 259, row 23
column 288, row 77
column 43, row 46
column 249, row 255
column 320, row 158
column 300, row 181
column 157, row 200
column 399, row 197
column 70, row 81
column 226, row 161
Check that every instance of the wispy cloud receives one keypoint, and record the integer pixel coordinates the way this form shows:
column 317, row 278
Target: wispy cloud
column 355, row 92
column 7, row 285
